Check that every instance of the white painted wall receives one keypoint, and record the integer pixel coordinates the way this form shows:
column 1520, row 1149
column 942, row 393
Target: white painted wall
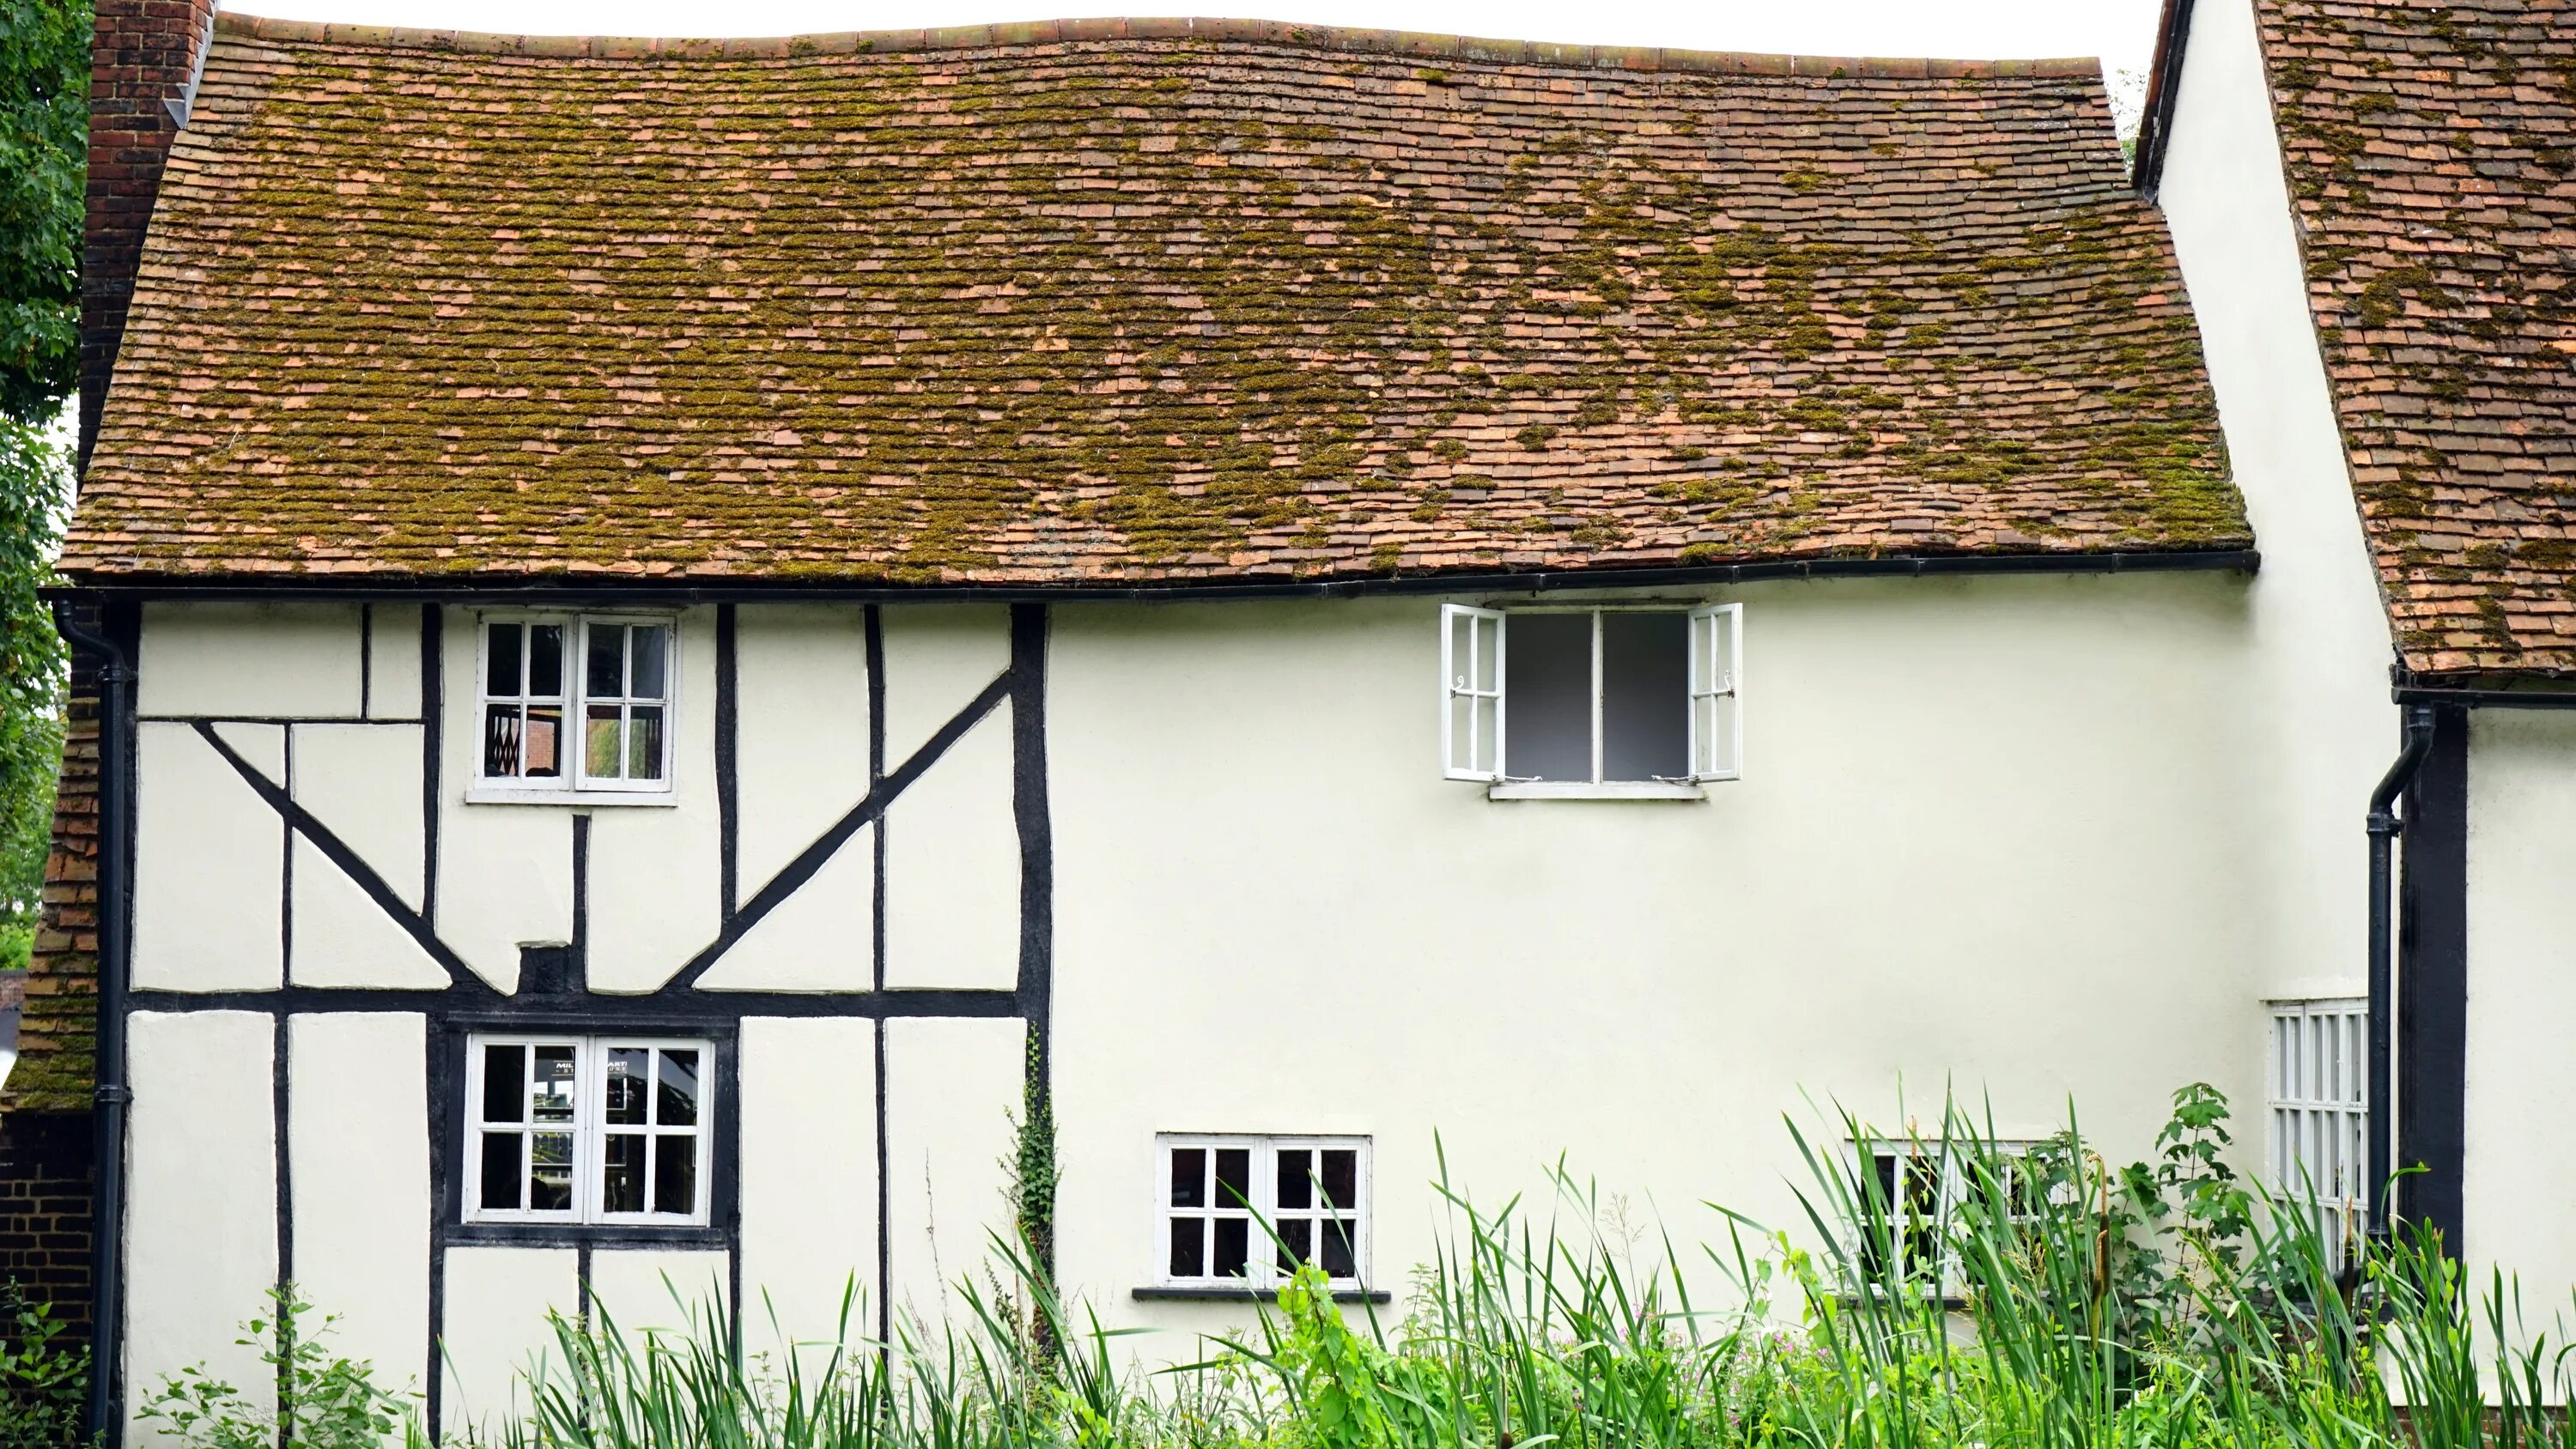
column 256, row 660
column 209, row 902
column 952, row 1089
column 654, row 870
column 495, row 1330
column 809, row 1179
column 358, row 1161
column 953, row 868
column 2318, row 639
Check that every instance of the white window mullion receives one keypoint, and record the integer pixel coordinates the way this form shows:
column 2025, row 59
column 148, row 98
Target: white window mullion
column 1596, row 697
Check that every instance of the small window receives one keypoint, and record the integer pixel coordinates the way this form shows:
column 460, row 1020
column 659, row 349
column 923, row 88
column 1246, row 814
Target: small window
column 2320, row 1104
column 577, row 704
column 585, row 1129
column 1246, row 1211
column 1591, row 698
column 1921, row 1186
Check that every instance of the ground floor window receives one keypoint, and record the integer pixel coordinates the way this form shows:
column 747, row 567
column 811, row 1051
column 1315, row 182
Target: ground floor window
column 2320, row 1105
column 1911, row 1196
column 1247, row 1210
column 587, row 1129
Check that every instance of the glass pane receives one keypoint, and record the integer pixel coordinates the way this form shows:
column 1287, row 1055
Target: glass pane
column 621, row 1177
column 675, row 1175
column 1489, row 654
column 1645, row 674
column 644, row 743
column 1551, row 697
column 600, row 756
column 1296, row 1179
column 1296, row 1242
column 1341, row 1179
column 551, row 1097
column 542, row 750
column 1340, row 1260
column 550, row 1171
column 505, row 1074
column 501, row 659
column 500, row 1170
column 652, row 649
column 1233, row 1244
column 1189, row 1177
column 1489, row 729
column 626, row 1085
column 545, row 661
column 1233, row 1176
column 1189, row 1248
column 606, row 674
column 1462, row 651
column 500, row 741
column 676, row 1103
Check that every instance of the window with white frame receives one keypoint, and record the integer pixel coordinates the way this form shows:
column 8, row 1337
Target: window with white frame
column 2320, row 1103
column 1921, row 1187
column 577, row 703
column 1242, row 1211
column 1592, row 699
column 587, row 1129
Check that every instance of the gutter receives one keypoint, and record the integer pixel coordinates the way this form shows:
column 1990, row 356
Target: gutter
column 2408, row 694
column 107, row 1206
column 2383, row 826
column 561, row 591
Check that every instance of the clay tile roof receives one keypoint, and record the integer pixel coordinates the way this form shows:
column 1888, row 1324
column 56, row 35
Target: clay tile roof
column 2432, row 155
column 1136, row 301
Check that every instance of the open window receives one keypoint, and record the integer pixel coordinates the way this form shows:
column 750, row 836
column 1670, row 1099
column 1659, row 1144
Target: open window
column 1621, row 702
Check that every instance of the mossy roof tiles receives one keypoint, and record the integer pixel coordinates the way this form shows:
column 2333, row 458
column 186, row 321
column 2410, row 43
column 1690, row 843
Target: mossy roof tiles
column 2431, row 153
column 1135, row 302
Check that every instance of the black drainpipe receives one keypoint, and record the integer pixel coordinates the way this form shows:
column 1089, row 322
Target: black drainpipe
column 107, row 1277
column 2384, row 827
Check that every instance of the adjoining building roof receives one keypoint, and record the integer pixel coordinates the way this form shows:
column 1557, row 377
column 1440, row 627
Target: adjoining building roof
column 1135, row 302
column 2431, row 153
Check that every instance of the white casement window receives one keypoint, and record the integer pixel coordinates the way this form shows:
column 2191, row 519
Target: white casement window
column 2320, row 1102
column 1634, row 702
column 576, row 704
column 1922, row 1186
column 1218, row 1193
column 587, row 1129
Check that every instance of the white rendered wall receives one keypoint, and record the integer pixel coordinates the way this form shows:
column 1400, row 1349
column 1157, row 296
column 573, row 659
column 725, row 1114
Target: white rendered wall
column 1992, row 834
column 809, row 1179
column 952, row 1092
column 2318, row 637
column 496, row 1330
column 251, row 661
column 209, row 872
column 654, row 870
column 358, row 1164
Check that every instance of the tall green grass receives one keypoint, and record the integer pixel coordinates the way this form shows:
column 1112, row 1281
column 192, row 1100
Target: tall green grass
column 2068, row 1304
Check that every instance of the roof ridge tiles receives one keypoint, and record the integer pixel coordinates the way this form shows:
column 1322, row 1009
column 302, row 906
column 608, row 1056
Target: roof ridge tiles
column 1253, row 32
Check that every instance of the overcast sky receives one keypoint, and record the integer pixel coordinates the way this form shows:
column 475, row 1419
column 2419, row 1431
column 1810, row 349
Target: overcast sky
column 2120, row 32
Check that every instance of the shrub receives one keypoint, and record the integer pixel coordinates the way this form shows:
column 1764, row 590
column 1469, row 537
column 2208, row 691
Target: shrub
column 44, row 1376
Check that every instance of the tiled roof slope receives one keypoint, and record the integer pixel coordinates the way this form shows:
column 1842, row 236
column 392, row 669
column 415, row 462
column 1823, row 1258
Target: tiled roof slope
column 1133, row 302
column 2432, row 155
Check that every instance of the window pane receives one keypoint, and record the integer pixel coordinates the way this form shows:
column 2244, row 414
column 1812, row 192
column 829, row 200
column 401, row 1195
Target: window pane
column 550, row 1171
column 1189, row 1177
column 1341, row 1179
column 621, row 1178
column 644, row 743
column 652, row 649
column 1296, row 1243
column 1340, row 1261
column 545, row 661
column 501, row 650
column 607, row 655
column 1296, row 1180
column 551, row 1098
column 500, row 741
column 1645, row 686
column 1189, row 1248
column 676, row 1102
column 1233, row 1176
column 626, row 1085
column 505, row 1072
column 500, row 1170
column 1233, row 1243
column 601, row 755
column 1550, row 700
column 675, row 1175
column 542, row 746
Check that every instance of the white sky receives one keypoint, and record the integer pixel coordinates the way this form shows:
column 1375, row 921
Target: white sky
column 2119, row 31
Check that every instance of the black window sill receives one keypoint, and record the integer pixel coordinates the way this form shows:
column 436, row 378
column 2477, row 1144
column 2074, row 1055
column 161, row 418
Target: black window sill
column 1213, row 1293
column 574, row 1235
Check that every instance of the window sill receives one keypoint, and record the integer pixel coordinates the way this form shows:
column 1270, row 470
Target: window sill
column 1219, row 1293
column 505, row 795
column 1588, row 790
column 598, row 1235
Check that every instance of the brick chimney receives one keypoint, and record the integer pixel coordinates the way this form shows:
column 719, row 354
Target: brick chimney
column 143, row 61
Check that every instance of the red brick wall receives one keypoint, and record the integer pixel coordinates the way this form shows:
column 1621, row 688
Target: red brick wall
column 141, row 53
column 45, row 1170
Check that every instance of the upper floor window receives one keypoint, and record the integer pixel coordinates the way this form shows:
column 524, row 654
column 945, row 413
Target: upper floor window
column 587, row 1129
column 577, row 703
column 1633, row 702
